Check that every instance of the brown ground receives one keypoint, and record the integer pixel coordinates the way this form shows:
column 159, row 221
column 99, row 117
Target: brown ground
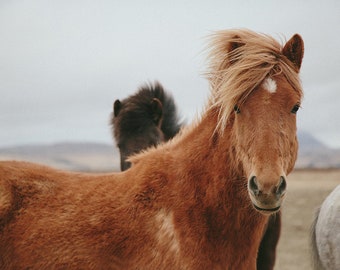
column 306, row 190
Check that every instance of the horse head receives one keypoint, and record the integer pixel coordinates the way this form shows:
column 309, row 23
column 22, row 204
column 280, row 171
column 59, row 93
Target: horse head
column 136, row 128
column 258, row 83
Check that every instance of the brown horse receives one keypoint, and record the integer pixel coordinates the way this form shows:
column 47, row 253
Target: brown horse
column 148, row 118
column 142, row 120
column 200, row 201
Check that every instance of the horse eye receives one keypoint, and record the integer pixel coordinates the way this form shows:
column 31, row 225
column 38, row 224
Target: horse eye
column 295, row 108
column 237, row 109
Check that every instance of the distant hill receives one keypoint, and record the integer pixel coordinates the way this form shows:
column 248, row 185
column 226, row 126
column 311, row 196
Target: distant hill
column 88, row 157
column 308, row 142
column 314, row 154
column 97, row 157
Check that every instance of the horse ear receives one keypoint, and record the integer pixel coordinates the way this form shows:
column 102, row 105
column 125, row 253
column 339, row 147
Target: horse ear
column 117, row 105
column 294, row 50
column 232, row 46
column 235, row 44
column 157, row 110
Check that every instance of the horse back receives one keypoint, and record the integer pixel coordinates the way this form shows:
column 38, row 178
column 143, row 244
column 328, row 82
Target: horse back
column 49, row 218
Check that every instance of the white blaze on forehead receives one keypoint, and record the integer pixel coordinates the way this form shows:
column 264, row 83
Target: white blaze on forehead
column 270, row 85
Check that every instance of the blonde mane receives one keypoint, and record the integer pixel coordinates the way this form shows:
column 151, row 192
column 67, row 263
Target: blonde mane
column 239, row 61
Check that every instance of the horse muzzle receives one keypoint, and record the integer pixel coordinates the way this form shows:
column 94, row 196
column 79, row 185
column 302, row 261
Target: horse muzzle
column 267, row 199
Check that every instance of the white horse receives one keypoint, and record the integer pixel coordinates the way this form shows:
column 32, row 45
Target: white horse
column 326, row 233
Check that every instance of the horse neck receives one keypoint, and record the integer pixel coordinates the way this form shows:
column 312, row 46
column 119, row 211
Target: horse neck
column 209, row 152
column 212, row 187
column 205, row 160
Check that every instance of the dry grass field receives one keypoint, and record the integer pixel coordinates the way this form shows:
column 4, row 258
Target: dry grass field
column 306, row 190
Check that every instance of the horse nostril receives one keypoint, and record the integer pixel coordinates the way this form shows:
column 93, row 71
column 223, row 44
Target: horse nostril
column 253, row 187
column 281, row 188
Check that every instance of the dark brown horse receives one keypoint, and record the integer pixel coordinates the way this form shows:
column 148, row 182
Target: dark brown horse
column 200, row 201
column 142, row 120
column 149, row 117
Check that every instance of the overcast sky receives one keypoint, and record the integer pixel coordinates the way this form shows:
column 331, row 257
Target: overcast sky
column 63, row 63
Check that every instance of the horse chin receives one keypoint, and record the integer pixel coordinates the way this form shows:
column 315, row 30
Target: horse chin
column 267, row 211
column 266, row 205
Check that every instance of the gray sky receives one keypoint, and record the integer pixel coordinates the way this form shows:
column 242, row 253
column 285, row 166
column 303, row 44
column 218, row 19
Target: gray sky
column 63, row 63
